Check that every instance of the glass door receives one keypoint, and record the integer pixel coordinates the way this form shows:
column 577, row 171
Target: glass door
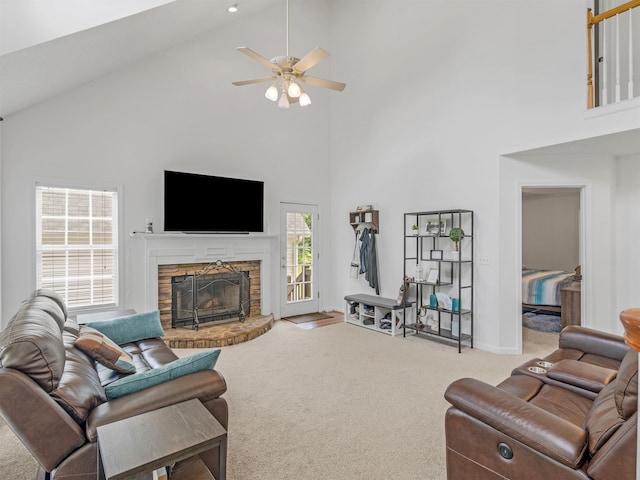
column 298, row 259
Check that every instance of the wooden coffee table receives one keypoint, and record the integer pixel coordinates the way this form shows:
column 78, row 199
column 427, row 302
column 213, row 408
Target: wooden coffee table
column 134, row 447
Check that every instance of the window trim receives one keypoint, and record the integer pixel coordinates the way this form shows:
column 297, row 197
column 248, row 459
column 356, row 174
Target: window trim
column 82, row 185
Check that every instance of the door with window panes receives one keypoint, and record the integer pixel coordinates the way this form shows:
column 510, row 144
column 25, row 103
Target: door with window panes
column 298, row 259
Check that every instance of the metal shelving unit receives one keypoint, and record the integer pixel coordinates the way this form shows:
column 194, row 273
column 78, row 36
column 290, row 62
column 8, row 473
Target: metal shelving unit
column 427, row 250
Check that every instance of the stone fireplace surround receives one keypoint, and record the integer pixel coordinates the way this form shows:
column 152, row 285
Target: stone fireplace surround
column 166, row 272
column 162, row 249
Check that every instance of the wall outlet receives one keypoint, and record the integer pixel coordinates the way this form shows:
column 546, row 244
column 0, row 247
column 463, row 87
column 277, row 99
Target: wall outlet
column 483, row 260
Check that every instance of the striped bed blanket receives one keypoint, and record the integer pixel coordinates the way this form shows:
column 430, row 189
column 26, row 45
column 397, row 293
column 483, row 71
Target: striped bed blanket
column 542, row 287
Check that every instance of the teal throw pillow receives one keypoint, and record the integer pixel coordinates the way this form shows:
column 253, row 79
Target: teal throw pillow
column 183, row 366
column 131, row 328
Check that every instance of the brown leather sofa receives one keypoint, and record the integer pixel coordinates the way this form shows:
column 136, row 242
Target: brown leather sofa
column 570, row 415
column 52, row 395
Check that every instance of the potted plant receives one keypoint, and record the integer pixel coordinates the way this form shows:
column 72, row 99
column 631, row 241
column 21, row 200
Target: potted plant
column 456, row 235
column 416, row 229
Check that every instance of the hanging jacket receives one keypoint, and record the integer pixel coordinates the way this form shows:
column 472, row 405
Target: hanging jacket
column 369, row 259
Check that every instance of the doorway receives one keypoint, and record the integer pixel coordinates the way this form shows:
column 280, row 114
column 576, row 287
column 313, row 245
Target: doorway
column 299, row 272
column 551, row 254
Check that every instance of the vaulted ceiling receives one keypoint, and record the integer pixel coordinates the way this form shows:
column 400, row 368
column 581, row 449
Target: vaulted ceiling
column 46, row 50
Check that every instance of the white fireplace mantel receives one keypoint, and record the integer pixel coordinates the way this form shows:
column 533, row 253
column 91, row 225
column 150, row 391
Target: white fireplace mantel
column 171, row 248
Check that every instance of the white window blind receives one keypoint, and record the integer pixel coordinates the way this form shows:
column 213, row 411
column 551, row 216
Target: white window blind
column 77, row 244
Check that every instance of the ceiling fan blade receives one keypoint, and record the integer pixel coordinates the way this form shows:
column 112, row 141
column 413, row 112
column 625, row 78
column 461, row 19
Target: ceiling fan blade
column 255, row 80
column 256, row 56
column 312, row 58
column 320, row 82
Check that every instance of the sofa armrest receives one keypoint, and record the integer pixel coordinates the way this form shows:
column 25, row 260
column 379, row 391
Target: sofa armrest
column 593, row 341
column 538, row 429
column 204, row 385
column 34, row 416
column 582, row 375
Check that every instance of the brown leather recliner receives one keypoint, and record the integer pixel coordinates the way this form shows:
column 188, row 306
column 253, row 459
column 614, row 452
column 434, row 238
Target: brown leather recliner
column 571, row 415
column 52, row 395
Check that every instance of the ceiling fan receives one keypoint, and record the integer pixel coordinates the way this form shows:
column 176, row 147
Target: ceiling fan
column 288, row 73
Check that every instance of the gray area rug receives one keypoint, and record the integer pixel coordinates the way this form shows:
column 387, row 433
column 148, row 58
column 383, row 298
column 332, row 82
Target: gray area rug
column 338, row 402
column 542, row 322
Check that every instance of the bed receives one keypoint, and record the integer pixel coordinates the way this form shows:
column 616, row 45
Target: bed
column 541, row 289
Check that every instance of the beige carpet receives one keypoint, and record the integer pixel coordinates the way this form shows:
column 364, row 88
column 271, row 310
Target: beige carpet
column 339, row 402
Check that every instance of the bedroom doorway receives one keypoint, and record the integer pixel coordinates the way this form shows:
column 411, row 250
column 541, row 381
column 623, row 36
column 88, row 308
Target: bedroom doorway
column 551, row 258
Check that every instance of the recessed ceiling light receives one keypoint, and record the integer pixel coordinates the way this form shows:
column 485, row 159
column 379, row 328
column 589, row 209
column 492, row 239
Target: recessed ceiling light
column 232, row 8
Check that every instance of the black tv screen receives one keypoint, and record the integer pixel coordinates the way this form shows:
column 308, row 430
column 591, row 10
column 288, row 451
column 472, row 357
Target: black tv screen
column 195, row 203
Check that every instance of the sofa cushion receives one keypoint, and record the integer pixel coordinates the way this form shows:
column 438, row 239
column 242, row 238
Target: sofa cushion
column 71, row 326
column 146, row 354
column 603, row 419
column 32, row 343
column 626, row 385
column 51, row 295
column 79, row 390
column 205, row 360
column 102, row 349
column 131, row 328
column 48, row 302
column 614, row 404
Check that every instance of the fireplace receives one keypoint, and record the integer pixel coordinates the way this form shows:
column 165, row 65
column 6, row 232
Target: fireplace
column 219, row 299
column 197, row 299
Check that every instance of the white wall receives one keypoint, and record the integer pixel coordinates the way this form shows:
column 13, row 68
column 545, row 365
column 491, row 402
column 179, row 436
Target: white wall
column 596, row 173
column 178, row 110
column 446, row 88
column 550, row 230
column 627, row 232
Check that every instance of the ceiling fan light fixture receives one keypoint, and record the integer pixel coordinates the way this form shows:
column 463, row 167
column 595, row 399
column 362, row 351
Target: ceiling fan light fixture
column 294, row 89
column 304, row 99
column 289, row 72
column 272, row 93
column 284, row 101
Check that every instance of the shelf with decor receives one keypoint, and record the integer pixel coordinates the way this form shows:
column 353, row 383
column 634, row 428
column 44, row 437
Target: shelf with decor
column 438, row 265
column 365, row 218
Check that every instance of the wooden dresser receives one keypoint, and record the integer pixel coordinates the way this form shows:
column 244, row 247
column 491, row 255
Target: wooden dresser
column 570, row 300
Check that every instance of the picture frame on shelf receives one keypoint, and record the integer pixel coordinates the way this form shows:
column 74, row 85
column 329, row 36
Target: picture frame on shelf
column 435, row 228
column 436, row 255
column 434, row 276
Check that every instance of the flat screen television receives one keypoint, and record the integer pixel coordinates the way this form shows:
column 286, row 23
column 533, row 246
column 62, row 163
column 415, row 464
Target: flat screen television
column 195, row 203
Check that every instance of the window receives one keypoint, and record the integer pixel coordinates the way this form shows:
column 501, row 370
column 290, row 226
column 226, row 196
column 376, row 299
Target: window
column 77, row 244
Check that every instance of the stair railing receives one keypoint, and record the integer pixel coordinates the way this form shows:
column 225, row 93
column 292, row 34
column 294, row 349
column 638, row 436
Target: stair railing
column 622, row 38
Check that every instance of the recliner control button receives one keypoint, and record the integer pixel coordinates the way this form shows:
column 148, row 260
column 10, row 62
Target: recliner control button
column 505, row 451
